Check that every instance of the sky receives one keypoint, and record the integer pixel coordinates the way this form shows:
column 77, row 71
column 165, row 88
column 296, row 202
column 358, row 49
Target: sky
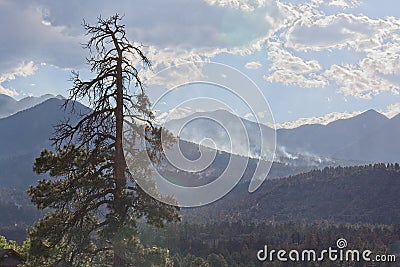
column 314, row 61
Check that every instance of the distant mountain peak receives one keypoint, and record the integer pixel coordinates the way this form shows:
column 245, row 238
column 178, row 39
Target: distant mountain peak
column 219, row 112
column 372, row 112
column 371, row 116
column 10, row 106
column 60, row 97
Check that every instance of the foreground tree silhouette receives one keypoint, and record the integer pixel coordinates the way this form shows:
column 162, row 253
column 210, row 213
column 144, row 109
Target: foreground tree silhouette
column 95, row 203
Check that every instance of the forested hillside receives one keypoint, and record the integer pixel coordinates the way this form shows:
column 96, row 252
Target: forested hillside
column 342, row 194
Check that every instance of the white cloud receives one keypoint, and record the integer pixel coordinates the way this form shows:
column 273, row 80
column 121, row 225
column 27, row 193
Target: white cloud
column 24, row 69
column 356, row 81
column 253, row 65
column 308, row 28
column 162, row 59
column 344, row 3
column 246, row 5
column 282, row 59
column 54, row 28
column 179, row 31
column 261, row 114
column 290, row 69
column 174, row 114
column 248, row 116
column 391, row 110
column 8, row 92
column 383, row 58
column 338, row 31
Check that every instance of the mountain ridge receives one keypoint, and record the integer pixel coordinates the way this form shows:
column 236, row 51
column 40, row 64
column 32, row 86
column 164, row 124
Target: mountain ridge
column 10, row 106
column 329, row 141
column 367, row 194
column 23, row 135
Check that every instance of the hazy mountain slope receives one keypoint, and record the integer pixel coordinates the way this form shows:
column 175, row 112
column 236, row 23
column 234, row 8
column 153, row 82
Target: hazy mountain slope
column 218, row 166
column 22, row 137
column 381, row 144
column 25, row 134
column 231, row 139
column 9, row 105
column 368, row 137
column 326, row 140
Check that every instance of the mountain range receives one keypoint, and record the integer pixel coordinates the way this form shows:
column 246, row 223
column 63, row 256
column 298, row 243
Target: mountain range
column 368, row 137
column 24, row 134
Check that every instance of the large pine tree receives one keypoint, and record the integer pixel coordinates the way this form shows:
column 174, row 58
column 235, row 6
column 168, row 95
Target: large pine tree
column 92, row 198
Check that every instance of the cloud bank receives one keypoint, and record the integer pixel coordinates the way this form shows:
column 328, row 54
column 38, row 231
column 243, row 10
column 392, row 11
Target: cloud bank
column 308, row 28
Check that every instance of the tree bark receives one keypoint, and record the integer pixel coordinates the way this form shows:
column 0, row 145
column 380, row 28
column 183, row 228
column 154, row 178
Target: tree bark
column 119, row 168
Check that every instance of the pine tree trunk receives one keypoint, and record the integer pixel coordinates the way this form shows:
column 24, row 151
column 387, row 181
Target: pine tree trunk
column 119, row 169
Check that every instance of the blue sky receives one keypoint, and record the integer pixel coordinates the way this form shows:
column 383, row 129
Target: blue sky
column 314, row 61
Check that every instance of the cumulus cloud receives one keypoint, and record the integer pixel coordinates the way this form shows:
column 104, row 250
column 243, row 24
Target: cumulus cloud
column 344, row 3
column 308, row 28
column 174, row 114
column 359, row 82
column 290, row 69
column 391, row 110
column 172, row 68
column 338, row 31
column 179, row 31
column 248, row 116
column 8, row 92
column 246, row 5
column 51, row 31
column 24, row 69
column 253, row 65
column 383, row 58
